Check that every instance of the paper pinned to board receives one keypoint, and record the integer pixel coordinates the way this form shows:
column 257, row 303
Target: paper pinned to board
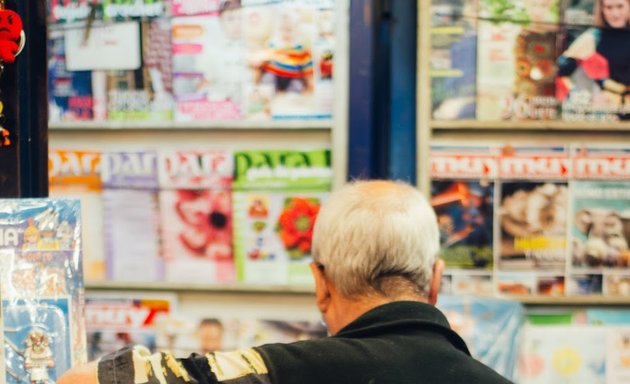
column 107, row 47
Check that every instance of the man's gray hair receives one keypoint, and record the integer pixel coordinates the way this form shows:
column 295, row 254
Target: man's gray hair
column 371, row 230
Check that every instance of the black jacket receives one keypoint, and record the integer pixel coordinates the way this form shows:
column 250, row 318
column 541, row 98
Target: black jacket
column 400, row 342
column 397, row 343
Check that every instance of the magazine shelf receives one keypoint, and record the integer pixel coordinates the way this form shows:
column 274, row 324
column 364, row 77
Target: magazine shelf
column 234, row 288
column 324, row 124
column 575, row 300
column 437, row 127
column 237, row 289
column 450, row 125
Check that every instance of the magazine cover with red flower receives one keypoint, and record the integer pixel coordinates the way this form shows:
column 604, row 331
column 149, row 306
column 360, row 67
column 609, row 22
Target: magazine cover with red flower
column 273, row 235
column 197, row 235
column 278, row 196
column 196, row 215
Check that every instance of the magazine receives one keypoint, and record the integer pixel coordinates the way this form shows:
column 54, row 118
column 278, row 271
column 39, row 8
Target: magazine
column 454, row 59
column 515, row 60
column 290, row 59
column 144, row 93
column 211, row 333
column 591, row 80
column 236, row 60
column 208, row 66
column 533, row 208
column 273, row 234
column 600, row 232
column 114, row 322
column 277, row 196
column 69, row 92
column 462, row 195
column 77, row 174
column 196, row 231
column 131, row 217
column 563, row 354
column 489, row 327
column 66, row 11
column 134, row 9
column 617, row 355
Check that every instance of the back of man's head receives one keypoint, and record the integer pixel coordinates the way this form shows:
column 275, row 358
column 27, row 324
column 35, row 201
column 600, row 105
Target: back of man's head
column 377, row 237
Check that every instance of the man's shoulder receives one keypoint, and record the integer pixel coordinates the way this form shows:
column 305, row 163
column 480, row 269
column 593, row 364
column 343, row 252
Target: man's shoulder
column 386, row 359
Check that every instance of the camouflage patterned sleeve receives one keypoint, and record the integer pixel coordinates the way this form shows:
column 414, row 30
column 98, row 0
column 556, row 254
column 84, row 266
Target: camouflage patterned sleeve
column 138, row 366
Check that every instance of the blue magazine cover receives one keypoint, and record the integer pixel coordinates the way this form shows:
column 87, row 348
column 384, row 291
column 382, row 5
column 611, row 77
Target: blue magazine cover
column 69, row 93
column 489, row 327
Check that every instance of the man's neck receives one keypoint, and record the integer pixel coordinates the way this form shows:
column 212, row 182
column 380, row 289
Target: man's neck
column 345, row 310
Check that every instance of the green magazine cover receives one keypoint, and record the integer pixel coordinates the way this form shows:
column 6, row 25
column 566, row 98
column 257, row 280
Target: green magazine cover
column 277, row 196
column 279, row 169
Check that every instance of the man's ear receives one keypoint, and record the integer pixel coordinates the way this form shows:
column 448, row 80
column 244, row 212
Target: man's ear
column 436, row 281
column 322, row 290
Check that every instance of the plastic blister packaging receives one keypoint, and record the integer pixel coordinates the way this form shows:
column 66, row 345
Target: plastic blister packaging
column 37, row 340
column 42, row 289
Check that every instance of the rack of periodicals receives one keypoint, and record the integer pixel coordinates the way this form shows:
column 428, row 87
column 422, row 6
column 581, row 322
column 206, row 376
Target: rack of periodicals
column 524, row 81
column 523, row 143
column 195, row 131
column 198, row 92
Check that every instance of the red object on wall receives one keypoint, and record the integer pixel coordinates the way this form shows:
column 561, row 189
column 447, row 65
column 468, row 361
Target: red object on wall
column 10, row 34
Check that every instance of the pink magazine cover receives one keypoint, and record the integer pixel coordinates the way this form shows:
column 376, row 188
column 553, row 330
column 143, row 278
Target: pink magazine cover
column 195, row 169
column 195, row 7
column 197, row 235
column 208, row 66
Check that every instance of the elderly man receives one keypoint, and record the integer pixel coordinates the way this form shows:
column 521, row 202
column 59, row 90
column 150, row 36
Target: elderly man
column 376, row 281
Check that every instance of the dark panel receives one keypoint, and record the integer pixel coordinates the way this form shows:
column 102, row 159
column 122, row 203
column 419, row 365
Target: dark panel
column 24, row 163
column 33, row 101
column 361, row 120
column 402, row 153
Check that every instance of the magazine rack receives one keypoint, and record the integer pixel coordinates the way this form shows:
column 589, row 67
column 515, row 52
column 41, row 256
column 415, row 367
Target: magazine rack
column 227, row 299
column 510, row 132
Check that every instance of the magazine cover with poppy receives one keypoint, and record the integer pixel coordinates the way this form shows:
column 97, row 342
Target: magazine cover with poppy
column 273, row 234
column 196, row 232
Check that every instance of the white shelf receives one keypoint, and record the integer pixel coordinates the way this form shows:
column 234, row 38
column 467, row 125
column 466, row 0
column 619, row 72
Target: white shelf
column 315, row 124
column 584, row 300
column 266, row 289
column 530, row 125
column 200, row 287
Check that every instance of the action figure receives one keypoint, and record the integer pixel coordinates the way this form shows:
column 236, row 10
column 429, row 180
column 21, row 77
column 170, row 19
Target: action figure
column 38, row 357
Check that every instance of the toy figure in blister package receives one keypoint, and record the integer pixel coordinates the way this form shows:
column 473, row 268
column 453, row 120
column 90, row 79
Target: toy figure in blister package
column 65, row 235
column 48, row 222
column 38, row 357
column 31, row 237
column 37, row 340
column 42, row 301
